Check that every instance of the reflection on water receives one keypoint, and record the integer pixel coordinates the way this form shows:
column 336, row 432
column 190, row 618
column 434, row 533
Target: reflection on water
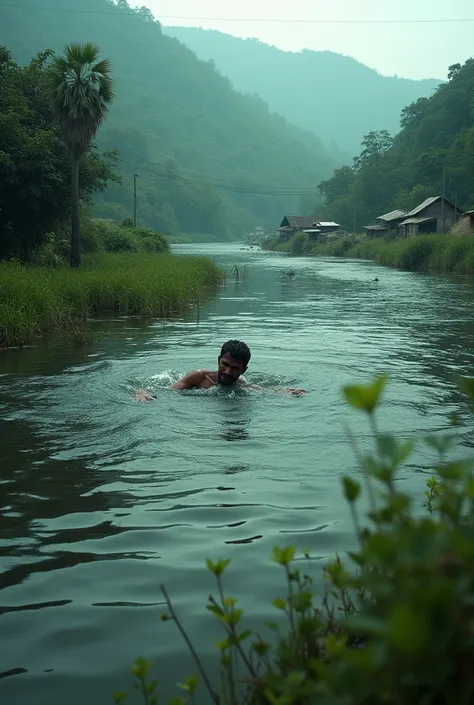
column 103, row 498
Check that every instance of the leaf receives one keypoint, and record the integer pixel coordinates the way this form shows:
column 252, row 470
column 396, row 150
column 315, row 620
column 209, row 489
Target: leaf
column 469, row 489
column 279, row 603
column 365, row 624
column 217, row 568
column 261, row 647
column 190, row 684
column 233, row 617
column 451, row 471
column 366, row 396
column 407, row 628
column 283, row 556
column 215, row 609
column 351, row 489
column 244, row 635
column 466, row 385
column 440, row 443
column 393, row 449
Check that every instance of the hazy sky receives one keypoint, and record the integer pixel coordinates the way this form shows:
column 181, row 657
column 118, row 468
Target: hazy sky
column 421, row 50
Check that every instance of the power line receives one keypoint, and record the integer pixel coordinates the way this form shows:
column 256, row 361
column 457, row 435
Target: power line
column 253, row 191
column 267, row 20
column 161, row 169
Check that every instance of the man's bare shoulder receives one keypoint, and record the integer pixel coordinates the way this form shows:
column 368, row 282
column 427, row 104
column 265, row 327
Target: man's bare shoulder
column 195, row 378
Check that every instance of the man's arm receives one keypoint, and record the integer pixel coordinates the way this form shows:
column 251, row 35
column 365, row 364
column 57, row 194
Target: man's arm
column 247, row 385
column 190, row 381
column 143, row 395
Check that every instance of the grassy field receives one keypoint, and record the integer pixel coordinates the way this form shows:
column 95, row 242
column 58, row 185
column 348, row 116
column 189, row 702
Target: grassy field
column 436, row 252
column 35, row 300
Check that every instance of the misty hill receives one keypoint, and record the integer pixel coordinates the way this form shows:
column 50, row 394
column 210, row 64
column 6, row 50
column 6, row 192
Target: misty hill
column 337, row 97
column 433, row 152
column 178, row 123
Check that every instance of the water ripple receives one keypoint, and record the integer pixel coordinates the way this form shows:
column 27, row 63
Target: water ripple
column 104, row 498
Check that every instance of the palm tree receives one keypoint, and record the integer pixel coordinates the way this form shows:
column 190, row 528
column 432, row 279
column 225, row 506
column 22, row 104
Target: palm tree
column 81, row 93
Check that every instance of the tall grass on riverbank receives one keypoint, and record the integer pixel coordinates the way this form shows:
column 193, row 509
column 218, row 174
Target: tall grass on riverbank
column 432, row 252
column 35, row 300
column 437, row 252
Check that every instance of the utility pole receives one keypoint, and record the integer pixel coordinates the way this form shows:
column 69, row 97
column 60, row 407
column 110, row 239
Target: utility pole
column 442, row 198
column 135, row 177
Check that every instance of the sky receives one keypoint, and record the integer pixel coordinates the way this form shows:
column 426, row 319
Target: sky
column 421, row 49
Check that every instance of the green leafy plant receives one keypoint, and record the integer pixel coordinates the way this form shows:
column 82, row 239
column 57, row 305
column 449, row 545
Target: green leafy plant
column 396, row 621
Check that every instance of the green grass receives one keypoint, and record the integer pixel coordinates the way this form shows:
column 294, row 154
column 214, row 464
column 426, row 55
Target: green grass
column 35, row 300
column 434, row 252
column 437, row 252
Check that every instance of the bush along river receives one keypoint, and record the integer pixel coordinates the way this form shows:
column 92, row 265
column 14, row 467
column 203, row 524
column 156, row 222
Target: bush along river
column 103, row 497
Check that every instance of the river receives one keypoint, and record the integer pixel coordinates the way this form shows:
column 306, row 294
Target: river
column 104, row 498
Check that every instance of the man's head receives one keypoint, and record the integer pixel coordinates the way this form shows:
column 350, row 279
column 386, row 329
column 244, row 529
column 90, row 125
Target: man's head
column 233, row 361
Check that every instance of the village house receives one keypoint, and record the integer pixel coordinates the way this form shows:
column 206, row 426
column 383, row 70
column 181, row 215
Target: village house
column 467, row 222
column 386, row 224
column 292, row 224
column 315, row 231
column 435, row 215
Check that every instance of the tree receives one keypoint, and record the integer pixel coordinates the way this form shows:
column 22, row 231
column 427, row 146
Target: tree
column 374, row 145
column 81, row 93
column 35, row 196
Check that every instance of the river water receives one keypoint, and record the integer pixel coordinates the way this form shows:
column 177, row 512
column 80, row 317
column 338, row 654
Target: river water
column 103, row 498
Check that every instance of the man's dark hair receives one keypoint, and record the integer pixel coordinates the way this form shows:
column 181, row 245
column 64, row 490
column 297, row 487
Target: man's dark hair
column 237, row 349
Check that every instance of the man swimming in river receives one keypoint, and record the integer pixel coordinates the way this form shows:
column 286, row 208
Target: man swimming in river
column 232, row 362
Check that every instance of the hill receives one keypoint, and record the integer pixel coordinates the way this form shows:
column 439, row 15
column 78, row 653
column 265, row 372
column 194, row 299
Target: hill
column 208, row 159
column 435, row 146
column 335, row 96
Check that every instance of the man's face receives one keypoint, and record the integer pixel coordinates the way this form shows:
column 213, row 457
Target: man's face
column 229, row 369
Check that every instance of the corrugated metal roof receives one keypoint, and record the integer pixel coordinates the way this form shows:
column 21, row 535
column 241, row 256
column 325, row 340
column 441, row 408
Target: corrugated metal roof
column 328, row 223
column 393, row 215
column 424, row 205
column 375, row 227
column 312, row 230
column 299, row 221
column 409, row 221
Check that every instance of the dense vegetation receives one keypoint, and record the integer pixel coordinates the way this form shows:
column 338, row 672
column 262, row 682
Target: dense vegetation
column 335, row 96
column 396, row 622
column 35, row 166
column 208, row 158
column 401, row 171
column 37, row 300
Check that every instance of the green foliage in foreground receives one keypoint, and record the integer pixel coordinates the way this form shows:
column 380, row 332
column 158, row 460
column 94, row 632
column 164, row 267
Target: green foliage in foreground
column 35, row 300
column 435, row 252
column 396, row 624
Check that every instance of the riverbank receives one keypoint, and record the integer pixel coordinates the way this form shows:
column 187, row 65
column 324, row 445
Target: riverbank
column 36, row 300
column 433, row 252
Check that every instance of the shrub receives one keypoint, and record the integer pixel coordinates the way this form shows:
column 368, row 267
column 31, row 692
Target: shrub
column 298, row 242
column 396, row 624
column 150, row 241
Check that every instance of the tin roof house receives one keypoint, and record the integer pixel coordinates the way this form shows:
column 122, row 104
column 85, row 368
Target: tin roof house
column 434, row 215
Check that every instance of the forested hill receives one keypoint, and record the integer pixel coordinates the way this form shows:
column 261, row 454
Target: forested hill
column 178, row 123
column 337, row 97
column 436, row 144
